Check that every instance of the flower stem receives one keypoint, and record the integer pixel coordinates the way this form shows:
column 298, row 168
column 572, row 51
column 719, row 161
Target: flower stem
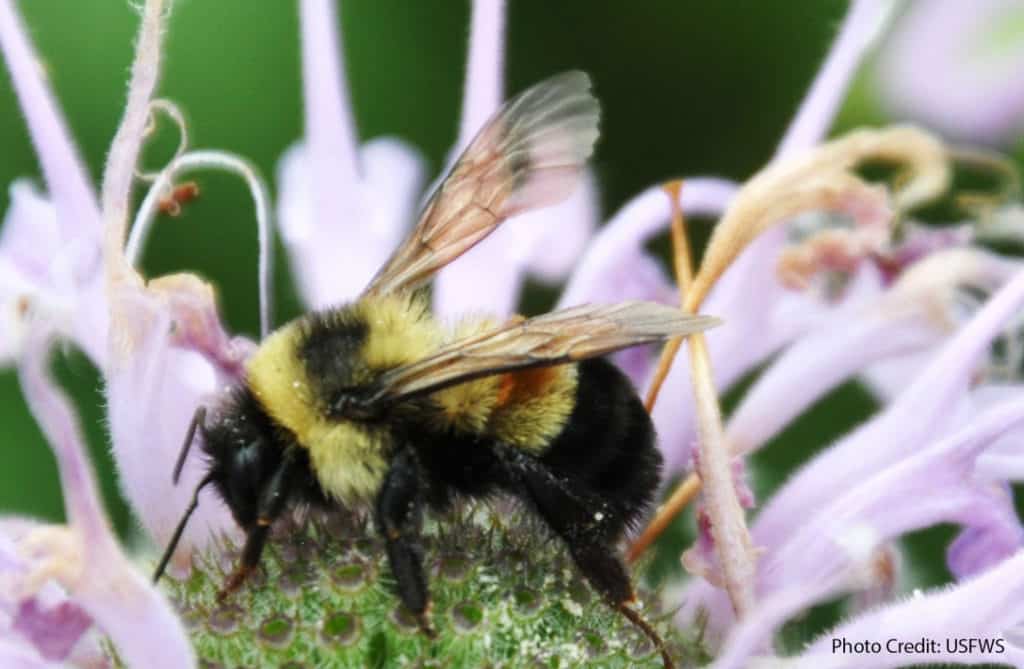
column 195, row 160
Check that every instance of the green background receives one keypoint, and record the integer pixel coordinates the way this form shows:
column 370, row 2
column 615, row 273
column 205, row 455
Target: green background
column 687, row 88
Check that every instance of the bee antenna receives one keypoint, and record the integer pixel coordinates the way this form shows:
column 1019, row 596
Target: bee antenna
column 180, row 528
column 198, row 418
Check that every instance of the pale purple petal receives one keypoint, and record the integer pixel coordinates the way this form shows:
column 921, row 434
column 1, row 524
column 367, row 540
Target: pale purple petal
column 484, row 87
column 68, row 183
column 126, row 147
column 753, row 637
column 989, row 607
column 14, row 654
column 746, row 293
column 49, row 253
column 153, row 388
column 888, row 378
column 566, row 228
column 937, row 484
column 862, row 25
column 992, row 535
column 123, row 603
column 30, row 235
column 341, row 210
column 833, row 549
column 933, row 406
column 333, row 260
column 489, row 277
column 547, row 242
column 394, row 174
column 53, row 630
column 29, row 238
column 38, row 278
column 814, row 365
column 1005, row 460
column 43, row 623
column 606, row 271
column 918, row 415
column 969, row 83
column 330, row 131
column 775, row 314
column 914, row 315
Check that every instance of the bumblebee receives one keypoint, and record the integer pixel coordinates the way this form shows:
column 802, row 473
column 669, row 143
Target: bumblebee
column 375, row 403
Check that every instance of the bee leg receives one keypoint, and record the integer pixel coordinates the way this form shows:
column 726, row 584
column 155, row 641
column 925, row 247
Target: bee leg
column 398, row 516
column 591, row 536
column 272, row 502
column 255, row 539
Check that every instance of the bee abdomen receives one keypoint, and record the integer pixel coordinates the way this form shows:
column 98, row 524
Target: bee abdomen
column 608, row 443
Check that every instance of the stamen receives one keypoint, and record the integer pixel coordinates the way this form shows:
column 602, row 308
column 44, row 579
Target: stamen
column 115, row 195
column 684, row 277
column 821, row 179
column 174, row 113
column 984, row 160
column 728, row 522
column 183, row 193
column 222, row 160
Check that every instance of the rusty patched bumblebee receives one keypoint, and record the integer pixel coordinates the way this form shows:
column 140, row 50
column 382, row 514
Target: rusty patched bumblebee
column 376, row 403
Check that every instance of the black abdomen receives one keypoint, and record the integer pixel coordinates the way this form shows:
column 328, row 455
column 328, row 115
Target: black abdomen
column 608, row 444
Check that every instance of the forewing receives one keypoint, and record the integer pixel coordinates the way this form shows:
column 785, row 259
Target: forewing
column 528, row 155
column 556, row 338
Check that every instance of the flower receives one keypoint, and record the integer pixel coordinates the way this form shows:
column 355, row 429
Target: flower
column 60, row 585
column 49, row 247
column 166, row 347
column 969, row 85
column 342, row 208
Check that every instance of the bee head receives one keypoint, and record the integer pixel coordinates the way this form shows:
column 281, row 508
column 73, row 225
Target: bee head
column 243, row 457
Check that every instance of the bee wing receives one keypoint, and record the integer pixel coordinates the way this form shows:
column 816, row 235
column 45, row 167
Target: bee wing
column 528, row 155
column 556, row 338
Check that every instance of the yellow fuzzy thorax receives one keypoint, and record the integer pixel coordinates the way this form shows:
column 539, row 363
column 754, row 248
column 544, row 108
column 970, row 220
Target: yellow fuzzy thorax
column 526, row 409
column 402, row 330
column 348, row 457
